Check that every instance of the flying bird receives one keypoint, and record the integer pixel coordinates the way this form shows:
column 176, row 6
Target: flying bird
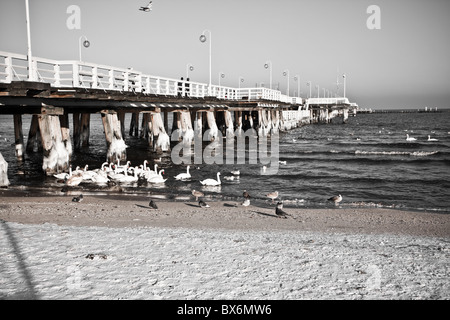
column 153, row 205
column 78, row 199
column 336, row 199
column 203, row 204
column 148, row 8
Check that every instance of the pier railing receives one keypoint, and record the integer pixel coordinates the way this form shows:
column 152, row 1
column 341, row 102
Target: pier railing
column 77, row 74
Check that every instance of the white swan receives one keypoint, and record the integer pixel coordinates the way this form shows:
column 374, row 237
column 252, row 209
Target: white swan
column 408, row 138
column 432, row 139
column 212, row 182
column 157, row 179
column 125, row 178
column 183, row 176
column 74, row 179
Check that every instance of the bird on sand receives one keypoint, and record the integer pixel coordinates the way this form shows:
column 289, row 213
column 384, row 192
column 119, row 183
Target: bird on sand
column 246, row 195
column 279, row 210
column 246, row 202
column 78, row 199
column 203, row 204
column 336, row 199
column 272, row 195
column 197, row 194
column 153, row 205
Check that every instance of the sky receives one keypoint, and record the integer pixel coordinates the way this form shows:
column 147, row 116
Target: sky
column 402, row 64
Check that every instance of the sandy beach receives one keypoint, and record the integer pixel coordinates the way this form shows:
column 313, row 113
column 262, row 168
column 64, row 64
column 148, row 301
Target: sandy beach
column 116, row 247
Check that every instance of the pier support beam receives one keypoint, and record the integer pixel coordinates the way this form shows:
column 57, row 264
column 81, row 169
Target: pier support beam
column 212, row 126
column 56, row 157
column 229, row 124
column 65, row 133
column 238, row 122
column 18, row 135
column 134, row 124
column 34, row 143
column 114, row 140
column 345, row 115
column 4, row 182
column 81, row 128
column 162, row 143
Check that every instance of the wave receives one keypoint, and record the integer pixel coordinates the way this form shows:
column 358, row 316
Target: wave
column 401, row 153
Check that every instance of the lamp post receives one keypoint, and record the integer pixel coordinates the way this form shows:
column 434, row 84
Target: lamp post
column 318, row 91
column 189, row 67
column 308, row 84
column 286, row 73
column 221, row 76
column 29, row 56
column 241, row 79
column 297, row 78
column 203, row 39
column 268, row 65
column 86, row 44
column 344, row 76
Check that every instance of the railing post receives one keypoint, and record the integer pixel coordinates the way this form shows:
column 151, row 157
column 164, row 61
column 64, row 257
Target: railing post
column 158, row 86
column 9, row 69
column 94, row 77
column 57, row 75
column 75, row 75
column 125, row 81
column 111, row 79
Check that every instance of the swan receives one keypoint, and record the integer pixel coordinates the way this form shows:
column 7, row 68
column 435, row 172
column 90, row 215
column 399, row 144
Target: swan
column 61, row 176
column 432, row 139
column 149, row 173
column 408, row 138
column 212, row 182
column 235, row 172
column 158, row 178
column 74, row 179
column 128, row 179
column 184, row 176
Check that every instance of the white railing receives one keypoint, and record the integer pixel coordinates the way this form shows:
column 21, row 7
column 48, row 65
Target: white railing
column 327, row 101
column 77, row 74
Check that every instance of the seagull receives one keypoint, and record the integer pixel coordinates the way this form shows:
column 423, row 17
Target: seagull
column 78, row 199
column 279, row 210
column 432, row 139
column 408, row 138
column 246, row 195
column 336, row 199
column 153, row 205
column 197, row 194
column 148, row 8
column 203, row 204
column 235, row 172
column 272, row 195
column 246, row 202
column 282, row 162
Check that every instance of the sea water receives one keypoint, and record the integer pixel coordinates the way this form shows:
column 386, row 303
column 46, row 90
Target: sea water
column 367, row 160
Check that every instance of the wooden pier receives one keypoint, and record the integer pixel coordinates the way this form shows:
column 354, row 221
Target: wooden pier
column 66, row 88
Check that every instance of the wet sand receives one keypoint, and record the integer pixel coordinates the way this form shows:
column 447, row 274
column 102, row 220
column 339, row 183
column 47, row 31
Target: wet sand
column 116, row 247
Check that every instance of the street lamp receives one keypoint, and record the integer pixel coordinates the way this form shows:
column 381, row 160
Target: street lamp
column 221, row 76
column 203, row 40
column 297, row 78
column 344, row 76
column 308, row 84
column 268, row 65
column 86, row 44
column 241, row 79
column 318, row 91
column 286, row 73
column 189, row 67
column 29, row 57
